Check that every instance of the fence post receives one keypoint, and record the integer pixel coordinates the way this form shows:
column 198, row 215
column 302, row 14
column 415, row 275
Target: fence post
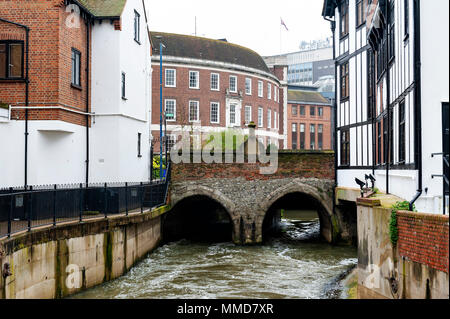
column 126, row 198
column 106, row 202
column 54, row 205
column 142, row 198
column 10, row 211
column 30, row 207
column 81, row 202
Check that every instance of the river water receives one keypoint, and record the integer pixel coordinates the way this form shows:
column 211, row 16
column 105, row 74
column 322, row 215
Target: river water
column 298, row 264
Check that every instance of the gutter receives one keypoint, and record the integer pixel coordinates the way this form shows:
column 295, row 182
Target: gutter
column 417, row 102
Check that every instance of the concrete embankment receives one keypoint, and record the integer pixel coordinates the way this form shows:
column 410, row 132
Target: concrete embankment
column 59, row 261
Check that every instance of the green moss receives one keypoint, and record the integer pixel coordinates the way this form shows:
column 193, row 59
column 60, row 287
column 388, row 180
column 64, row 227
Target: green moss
column 336, row 230
column 108, row 242
column 393, row 227
column 4, row 106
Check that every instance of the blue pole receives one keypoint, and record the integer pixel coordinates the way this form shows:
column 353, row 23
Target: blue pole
column 160, row 111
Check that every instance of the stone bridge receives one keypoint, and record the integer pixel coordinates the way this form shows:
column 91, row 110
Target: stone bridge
column 250, row 199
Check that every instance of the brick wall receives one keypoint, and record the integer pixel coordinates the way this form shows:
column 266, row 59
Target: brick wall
column 50, row 43
column 318, row 165
column 423, row 238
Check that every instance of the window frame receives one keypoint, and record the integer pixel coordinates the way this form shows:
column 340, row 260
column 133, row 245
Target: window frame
column 248, row 107
column 269, row 91
column 174, row 119
column 75, row 53
column 302, row 110
column 312, row 111
column 211, row 113
column 360, row 17
column 320, row 137
column 320, row 111
column 197, row 87
column 312, row 136
column 402, row 132
column 344, row 79
column 294, row 136
column 406, row 19
column 174, row 78
column 211, row 81
column 269, row 118
column 343, row 13
column 260, row 117
column 197, row 103
column 294, row 110
column 235, row 83
column 7, row 44
column 249, row 87
column 260, row 89
column 234, row 112
column 137, row 27
column 302, row 130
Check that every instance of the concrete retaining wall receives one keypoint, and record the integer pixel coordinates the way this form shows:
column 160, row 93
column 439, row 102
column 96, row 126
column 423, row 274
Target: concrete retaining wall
column 60, row 261
column 383, row 271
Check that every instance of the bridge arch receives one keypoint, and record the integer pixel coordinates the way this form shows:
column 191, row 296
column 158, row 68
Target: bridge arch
column 320, row 197
column 204, row 195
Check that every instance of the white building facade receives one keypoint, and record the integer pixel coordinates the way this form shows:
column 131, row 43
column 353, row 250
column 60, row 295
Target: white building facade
column 392, row 102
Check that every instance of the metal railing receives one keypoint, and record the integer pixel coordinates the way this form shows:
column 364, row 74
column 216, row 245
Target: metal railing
column 39, row 206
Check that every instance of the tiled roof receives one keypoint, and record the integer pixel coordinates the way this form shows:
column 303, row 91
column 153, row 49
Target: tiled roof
column 306, row 97
column 104, row 8
column 186, row 46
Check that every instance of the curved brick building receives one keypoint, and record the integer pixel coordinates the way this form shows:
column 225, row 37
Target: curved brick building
column 213, row 86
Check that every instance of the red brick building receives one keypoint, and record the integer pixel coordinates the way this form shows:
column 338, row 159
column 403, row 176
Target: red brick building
column 214, row 86
column 309, row 120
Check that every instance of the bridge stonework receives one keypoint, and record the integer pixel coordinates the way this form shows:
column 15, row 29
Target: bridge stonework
column 247, row 195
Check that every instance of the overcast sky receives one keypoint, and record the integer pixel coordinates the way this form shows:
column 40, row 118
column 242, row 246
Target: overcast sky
column 251, row 23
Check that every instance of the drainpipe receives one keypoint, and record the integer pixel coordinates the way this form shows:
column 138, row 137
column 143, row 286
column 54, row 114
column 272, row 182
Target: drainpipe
column 417, row 102
column 88, row 25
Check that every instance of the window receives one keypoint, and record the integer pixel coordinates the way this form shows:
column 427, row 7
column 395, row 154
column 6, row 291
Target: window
column 275, row 96
column 344, row 81
column 344, row 18
column 269, row 91
column 248, row 114
column 294, row 136
column 214, row 114
column 320, row 136
column 312, row 138
column 171, row 78
column 361, row 6
column 193, row 80
column 275, row 119
column 193, row 111
column 137, row 27
column 76, row 68
column 320, row 111
column 269, row 118
column 302, row 110
column 214, row 82
column 139, row 144
column 260, row 89
column 233, row 83
column 370, row 85
column 123, row 85
column 302, row 136
column 379, row 134
column 401, row 133
column 392, row 32
column 312, row 111
column 406, row 20
column 171, row 110
column 294, row 110
column 233, row 114
column 171, row 141
column 385, row 139
column 345, row 147
column 260, row 117
column 11, row 59
column 248, row 86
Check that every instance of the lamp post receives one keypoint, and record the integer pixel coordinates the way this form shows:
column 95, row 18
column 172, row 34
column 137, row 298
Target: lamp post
column 161, row 46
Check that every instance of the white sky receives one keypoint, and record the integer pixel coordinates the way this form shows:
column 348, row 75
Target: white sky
column 251, row 23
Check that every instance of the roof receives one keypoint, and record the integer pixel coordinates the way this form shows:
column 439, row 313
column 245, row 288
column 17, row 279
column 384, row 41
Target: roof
column 186, row 46
column 306, row 97
column 329, row 7
column 104, row 8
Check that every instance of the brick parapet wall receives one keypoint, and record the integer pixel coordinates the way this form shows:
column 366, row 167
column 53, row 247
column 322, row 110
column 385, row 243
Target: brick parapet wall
column 318, row 165
column 423, row 238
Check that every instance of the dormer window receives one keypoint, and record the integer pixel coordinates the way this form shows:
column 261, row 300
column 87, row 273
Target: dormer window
column 137, row 27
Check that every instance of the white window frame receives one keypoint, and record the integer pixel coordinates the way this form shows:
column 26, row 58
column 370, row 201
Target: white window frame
column 198, row 111
column 269, row 118
column 260, row 89
column 248, row 107
column 235, row 83
column 275, row 96
column 260, row 117
column 234, row 123
column 249, row 87
column 198, row 80
column 174, row 78
column 275, row 124
column 218, row 112
column 269, row 91
column 174, row 109
column 211, row 82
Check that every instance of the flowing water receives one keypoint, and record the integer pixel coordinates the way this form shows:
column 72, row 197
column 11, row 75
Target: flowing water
column 298, row 264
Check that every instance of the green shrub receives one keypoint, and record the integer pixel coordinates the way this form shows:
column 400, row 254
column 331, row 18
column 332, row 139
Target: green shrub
column 393, row 226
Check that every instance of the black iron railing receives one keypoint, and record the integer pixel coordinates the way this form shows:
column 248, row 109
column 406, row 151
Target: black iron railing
column 38, row 206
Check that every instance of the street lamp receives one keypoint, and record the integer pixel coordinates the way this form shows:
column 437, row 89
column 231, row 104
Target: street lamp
column 161, row 46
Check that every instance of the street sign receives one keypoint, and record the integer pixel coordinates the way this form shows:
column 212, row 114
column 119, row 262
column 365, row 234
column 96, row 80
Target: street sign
column 169, row 115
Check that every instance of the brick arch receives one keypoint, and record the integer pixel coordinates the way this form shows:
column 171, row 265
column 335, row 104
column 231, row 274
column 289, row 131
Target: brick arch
column 296, row 186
